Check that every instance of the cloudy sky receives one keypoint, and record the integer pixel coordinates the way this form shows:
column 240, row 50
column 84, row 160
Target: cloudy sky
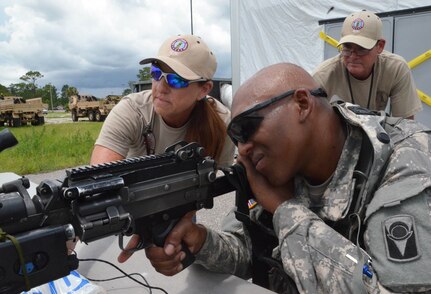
column 96, row 45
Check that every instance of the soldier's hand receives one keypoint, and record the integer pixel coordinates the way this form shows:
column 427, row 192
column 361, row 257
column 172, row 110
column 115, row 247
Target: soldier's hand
column 267, row 195
column 167, row 259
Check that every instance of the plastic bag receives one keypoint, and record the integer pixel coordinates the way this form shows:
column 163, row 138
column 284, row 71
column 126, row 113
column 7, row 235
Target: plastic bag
column 74, row 283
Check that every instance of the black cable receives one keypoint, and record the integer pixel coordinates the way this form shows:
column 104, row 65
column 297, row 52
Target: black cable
column 121, row 277
column 125, row 275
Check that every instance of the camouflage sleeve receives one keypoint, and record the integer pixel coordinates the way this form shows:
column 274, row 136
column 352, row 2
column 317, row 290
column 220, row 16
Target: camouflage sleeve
column 228, row 251
column 319, row 259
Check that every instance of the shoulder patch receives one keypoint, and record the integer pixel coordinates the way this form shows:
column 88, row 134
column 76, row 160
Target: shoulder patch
column 401, row 238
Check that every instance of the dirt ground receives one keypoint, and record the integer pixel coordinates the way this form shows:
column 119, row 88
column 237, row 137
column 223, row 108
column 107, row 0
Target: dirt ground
column 62, row 120
column 58, row 120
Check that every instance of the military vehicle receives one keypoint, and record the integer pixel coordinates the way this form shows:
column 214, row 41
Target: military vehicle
column 16, row 111
column 93, row 108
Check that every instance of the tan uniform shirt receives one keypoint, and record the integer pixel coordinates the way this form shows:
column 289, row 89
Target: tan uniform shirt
column 125, row 125
column 392, row 78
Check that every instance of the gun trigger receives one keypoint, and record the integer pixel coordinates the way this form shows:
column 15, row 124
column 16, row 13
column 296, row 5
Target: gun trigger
column 120, row 242
column 141, row 245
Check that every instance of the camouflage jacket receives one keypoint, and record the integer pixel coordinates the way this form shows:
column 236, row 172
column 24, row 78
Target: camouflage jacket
column 317, row 257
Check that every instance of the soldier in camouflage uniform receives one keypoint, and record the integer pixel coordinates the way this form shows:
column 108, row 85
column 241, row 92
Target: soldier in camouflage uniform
column 348, row 191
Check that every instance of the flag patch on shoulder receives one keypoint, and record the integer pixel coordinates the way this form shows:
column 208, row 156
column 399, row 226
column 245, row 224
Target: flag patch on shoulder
column 251, row 203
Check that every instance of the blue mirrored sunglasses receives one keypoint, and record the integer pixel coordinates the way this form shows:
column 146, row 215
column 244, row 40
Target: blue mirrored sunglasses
column 245, row 124
column 172, row 79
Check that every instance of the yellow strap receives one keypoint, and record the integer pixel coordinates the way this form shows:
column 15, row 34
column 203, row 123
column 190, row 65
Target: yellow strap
column 328, row 39
column 3, row 237
column 420, row 59
column 415, row 62
column 424, row 97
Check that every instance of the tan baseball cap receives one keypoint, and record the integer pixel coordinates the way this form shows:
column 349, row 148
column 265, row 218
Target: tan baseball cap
column 362, row 28
column 188, row 56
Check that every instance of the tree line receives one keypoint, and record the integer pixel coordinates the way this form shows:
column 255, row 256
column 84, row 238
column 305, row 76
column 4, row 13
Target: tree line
column 28, row 88
column 50, row 95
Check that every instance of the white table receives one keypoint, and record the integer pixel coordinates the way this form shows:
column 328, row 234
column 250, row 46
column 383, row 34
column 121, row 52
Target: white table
column 193, row 280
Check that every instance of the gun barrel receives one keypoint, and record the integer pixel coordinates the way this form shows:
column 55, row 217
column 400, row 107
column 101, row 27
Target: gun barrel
column 7, row 139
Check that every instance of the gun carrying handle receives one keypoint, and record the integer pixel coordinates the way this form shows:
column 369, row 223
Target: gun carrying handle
column 161, row 231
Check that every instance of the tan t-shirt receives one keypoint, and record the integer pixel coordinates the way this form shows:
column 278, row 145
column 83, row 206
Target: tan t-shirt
column 392, row 78
column 125, row 125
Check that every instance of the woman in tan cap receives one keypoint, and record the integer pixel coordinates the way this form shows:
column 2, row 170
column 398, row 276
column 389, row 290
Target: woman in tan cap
column 176, row 108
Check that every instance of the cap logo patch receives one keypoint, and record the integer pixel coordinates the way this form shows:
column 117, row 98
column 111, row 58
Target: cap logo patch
column 179, row 45
column 401, row 238
column 357, row 24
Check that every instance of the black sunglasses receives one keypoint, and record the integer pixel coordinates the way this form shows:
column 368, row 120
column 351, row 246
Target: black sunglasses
column 245, row 124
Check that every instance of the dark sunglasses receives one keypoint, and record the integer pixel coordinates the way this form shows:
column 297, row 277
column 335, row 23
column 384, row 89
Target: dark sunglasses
column 172, row 79
column 245, row 124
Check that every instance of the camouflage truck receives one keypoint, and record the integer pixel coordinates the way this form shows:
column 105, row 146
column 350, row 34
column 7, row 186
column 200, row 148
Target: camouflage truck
column 93, row 108
column 16, row 111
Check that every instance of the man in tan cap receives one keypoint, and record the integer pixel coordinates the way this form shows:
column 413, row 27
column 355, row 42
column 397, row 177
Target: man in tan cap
column 363, row 73
column 176, row 108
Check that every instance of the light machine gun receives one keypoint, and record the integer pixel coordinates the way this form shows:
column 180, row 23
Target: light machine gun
column 143, row 195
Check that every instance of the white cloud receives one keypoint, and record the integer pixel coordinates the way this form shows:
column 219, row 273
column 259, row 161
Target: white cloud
column 99, row 43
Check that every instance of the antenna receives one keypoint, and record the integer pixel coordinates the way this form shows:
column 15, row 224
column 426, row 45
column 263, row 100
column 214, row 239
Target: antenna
column 191, row 15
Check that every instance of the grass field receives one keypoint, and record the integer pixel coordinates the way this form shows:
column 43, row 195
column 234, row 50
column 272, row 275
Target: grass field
column 49, row 147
